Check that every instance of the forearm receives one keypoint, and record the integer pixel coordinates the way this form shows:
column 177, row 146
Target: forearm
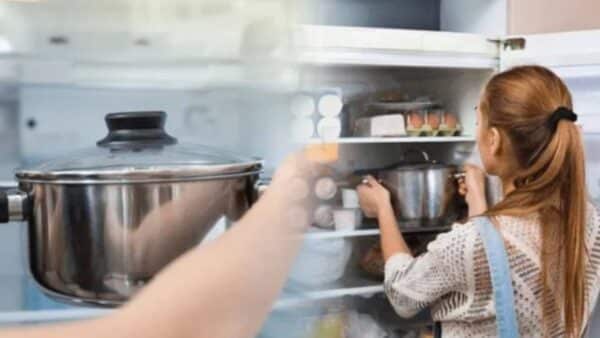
column 226, row 288
column 392, row 241
column 477, row 207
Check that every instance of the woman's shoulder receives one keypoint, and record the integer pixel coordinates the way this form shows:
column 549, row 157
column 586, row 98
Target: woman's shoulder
column 459, row 234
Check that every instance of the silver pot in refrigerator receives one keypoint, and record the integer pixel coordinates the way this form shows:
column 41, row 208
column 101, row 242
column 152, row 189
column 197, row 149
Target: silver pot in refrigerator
column 104, row 221
column 422, row 194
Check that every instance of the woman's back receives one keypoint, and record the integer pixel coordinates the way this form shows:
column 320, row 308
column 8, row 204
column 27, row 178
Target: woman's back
column 453, row 277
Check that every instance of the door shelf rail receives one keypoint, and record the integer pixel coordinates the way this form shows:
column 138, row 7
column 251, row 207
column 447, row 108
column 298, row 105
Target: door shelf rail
column 371, row 232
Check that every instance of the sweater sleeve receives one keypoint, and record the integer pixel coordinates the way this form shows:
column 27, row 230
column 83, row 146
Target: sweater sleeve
column 413, row 283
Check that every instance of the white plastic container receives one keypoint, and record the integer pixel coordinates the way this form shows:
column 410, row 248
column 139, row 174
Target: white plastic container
column 350, row 199
column 347, row 219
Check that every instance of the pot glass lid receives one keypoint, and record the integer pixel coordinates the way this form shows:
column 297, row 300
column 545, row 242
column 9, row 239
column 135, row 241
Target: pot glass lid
column 137, row 148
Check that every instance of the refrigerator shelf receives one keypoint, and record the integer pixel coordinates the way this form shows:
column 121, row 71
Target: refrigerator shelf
column 51, row 315
column 337, row 45
column 371, row 232
column 424, row 139
column 326, row 294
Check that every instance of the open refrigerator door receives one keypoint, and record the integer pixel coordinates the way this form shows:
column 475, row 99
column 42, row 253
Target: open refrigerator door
column 575, row 57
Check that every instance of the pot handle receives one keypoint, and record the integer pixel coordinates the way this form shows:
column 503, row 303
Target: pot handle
column 13, row 206
column 419, row 152
column 458, row 175
column 259, row 189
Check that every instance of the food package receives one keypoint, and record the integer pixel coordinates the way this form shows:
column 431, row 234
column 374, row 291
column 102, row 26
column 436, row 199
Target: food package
column 391, row 95
column 373, row 263
column 381, row 126
column 363, row 326
column 330, row 326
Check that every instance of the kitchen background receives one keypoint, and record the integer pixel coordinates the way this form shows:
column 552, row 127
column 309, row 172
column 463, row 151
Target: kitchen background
column 228, row 72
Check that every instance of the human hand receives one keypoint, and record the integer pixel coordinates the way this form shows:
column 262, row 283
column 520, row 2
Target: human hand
column 472, row 187
column 373, row 197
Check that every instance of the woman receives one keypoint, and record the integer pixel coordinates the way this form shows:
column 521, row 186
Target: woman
column 526, row 135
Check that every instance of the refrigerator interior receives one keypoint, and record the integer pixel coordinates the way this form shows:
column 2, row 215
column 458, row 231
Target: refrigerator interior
column 586, row 98
column 457, row 90
column 469, row 16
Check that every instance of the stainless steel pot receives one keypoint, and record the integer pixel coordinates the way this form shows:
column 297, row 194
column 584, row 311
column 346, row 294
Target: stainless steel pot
column 423, row 193
column 104, row 221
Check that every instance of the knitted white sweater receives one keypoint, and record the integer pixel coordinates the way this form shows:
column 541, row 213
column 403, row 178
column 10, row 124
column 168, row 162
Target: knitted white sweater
column 452, row 277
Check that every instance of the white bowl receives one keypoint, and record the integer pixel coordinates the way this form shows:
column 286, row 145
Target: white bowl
column 321, row 261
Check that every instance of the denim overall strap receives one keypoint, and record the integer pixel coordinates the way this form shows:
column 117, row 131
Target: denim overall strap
column 506, row 318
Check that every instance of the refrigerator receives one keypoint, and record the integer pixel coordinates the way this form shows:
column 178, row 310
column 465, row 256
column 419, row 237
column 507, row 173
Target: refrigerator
column 450, row 68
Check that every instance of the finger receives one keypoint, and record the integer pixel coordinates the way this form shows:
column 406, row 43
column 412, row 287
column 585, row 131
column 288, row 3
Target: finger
column 469, row 167
column 371, row 181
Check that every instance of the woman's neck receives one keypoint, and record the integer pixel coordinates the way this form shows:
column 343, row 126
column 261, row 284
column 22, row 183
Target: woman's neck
column 508, row 185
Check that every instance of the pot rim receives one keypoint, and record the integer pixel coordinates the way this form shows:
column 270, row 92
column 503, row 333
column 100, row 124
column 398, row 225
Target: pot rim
column 422, row 166
column 182, row 173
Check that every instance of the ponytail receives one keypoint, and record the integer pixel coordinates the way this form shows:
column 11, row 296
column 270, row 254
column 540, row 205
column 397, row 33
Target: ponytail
column 521, row 102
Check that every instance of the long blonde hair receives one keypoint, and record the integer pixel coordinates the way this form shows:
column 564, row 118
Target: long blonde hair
column 519, row 102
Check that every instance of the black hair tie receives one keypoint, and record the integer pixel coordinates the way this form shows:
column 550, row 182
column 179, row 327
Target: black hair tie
column 561, row 113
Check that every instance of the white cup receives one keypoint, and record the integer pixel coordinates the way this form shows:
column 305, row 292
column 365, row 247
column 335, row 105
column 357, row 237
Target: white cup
column 330, row 105
column 325, row 188
column 350, row 199
column 347, row 219
column 329, row 128
column 323, row 217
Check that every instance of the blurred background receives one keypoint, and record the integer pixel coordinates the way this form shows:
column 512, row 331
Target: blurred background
column 264, row 77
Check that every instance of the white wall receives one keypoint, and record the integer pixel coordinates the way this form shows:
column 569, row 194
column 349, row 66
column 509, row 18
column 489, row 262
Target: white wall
column 547, row 16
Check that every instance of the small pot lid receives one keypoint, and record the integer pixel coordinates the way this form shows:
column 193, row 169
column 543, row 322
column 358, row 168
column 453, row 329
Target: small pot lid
column 137, row 149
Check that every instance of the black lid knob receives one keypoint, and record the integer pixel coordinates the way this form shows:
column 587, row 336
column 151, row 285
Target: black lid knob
column 136, row 130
